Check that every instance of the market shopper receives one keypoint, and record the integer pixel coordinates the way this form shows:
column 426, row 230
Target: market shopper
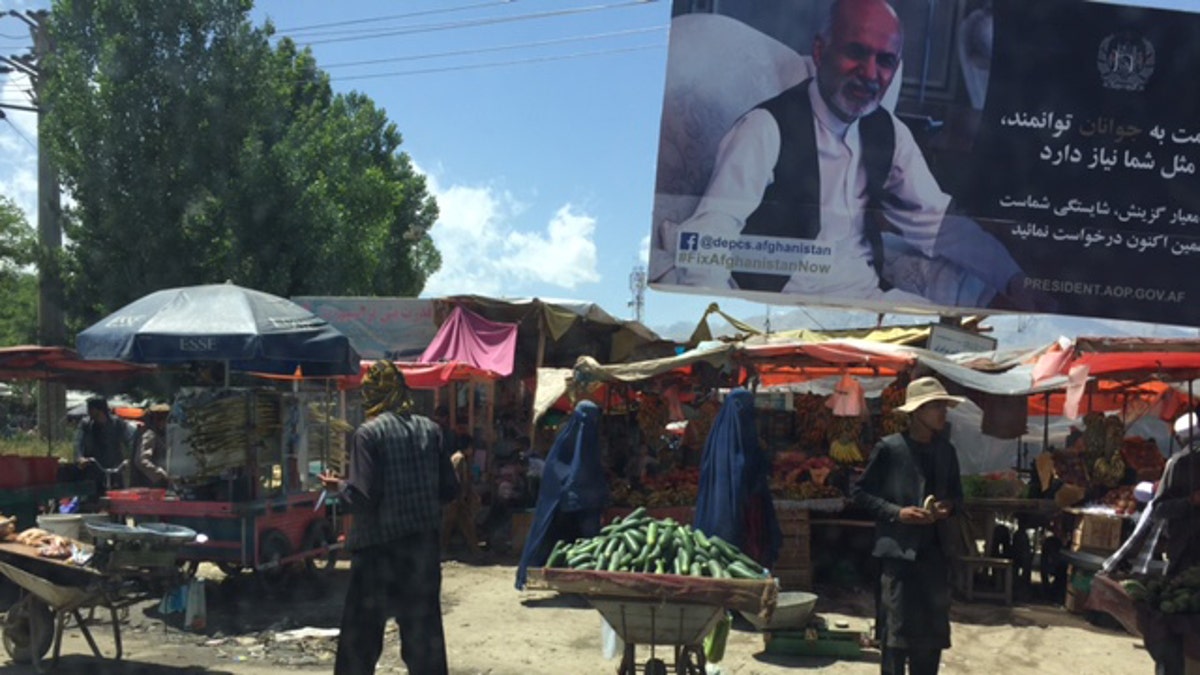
column 913, row 602
column 152, row 448
column 734, row 499
column 573, row 493
column 460, row 514
column 399, row 479
column 102, row 443
column 1173, row 514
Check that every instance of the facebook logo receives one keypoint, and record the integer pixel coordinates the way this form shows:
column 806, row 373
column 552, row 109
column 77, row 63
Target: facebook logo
column 689, row 241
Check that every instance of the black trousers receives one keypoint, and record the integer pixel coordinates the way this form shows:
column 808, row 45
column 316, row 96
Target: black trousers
column 924, row 662
column 402, row 580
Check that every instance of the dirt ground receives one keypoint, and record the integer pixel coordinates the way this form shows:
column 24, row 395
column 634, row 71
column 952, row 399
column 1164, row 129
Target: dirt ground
column 492, row 628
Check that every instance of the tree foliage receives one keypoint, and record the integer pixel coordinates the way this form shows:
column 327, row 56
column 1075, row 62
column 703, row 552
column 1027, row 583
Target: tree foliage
column 18, row 283
column 198, row 152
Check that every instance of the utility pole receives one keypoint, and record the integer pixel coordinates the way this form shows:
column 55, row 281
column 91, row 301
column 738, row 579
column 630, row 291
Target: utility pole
column 637, row 285
column 51, row 328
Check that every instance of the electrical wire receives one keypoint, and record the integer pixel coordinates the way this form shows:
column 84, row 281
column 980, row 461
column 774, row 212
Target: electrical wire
column 483, row 50
column 379, row 19
column 21, row 134
column 497, row 64
column 472, row 23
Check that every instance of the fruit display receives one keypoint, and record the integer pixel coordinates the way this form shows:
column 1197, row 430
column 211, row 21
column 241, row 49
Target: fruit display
column 1108, row 471
column 995, row 485
column 1144, row 457
column 1071, row 468
column 639, row 543
column 1121, row 500
column 1103, row 435
column 844, row 435
column 1177, row 595
column 813, row 419
column 652, row 416
column 698, row 427
column 893, row 422
column 678, row 487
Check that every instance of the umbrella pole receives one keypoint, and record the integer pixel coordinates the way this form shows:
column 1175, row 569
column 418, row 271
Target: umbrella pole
column 226, row 373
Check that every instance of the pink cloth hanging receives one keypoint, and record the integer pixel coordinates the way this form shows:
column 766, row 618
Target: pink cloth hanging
column 848, row 399
column 468, row 338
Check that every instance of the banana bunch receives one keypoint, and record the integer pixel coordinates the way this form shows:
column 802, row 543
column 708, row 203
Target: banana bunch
column 1108, row 472
column 845, row 452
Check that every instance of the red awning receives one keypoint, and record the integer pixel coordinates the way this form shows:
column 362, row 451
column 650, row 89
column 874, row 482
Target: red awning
column 60, row 364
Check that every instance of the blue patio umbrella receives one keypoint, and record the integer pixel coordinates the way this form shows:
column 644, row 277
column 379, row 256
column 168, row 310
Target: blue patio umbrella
column 245, row 329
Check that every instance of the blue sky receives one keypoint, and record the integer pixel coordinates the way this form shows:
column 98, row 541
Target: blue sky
column 535, row 121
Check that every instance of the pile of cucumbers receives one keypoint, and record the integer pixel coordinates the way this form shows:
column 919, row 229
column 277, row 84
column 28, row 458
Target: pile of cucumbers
column 639, row 543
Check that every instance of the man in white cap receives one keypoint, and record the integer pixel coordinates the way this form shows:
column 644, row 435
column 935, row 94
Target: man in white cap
column 1176, row 509
column 910, row 484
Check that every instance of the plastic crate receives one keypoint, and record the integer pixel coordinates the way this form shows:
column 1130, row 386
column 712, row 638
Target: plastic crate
column 42, row 470
column 138, row 494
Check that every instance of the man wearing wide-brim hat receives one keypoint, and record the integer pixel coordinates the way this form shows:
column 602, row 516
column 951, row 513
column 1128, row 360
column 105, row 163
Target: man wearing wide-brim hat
column 911, row 483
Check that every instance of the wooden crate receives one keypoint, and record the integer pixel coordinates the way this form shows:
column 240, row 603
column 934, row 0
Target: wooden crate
column 796, row 551
column 1095, row 532
column 794, row 579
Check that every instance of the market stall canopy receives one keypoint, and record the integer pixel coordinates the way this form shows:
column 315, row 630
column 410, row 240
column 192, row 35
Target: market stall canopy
column 467, row 338
column 62, row 365
column 424, row 375
column 247, row 329
column 554, row 333
column 1138, row 358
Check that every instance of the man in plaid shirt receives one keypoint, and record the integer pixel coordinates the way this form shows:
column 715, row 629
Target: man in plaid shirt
column 399, row 479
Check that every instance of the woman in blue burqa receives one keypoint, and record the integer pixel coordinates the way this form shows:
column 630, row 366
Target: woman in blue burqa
column 734, row 501
column 574, row 490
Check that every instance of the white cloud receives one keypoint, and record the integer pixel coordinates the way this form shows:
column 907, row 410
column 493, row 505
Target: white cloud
column 643, row 254
column 487, row 249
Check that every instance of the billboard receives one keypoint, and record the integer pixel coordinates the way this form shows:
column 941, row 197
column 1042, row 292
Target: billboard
column 379, row 328
column 1002, row 155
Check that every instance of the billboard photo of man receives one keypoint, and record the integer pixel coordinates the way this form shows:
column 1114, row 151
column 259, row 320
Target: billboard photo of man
column 819, row 192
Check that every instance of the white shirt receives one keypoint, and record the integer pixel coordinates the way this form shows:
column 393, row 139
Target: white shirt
column 743, row 170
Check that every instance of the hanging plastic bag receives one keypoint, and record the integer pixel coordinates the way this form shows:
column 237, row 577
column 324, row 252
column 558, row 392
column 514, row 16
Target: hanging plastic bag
column 196, row 616
column 714, row 643
column 174, row 600
column 610, row 644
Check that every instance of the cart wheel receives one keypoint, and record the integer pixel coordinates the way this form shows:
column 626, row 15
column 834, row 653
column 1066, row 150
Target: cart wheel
column 28, row 630
column 656, row 667
column 319, row 535
column 689, row 661
column 273, row 546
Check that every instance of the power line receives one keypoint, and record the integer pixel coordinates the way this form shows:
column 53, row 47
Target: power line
column 482, row 50
column 390, row 17
column 21, row 134
column 496, row 64
column 490, row 21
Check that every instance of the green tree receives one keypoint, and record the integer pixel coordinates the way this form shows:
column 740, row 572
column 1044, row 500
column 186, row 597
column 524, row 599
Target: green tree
column 18, row 280
column 197, row 152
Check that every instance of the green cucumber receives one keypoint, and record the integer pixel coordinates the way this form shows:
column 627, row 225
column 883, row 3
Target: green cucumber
column 739, row 571
column 695, row 570
column 652, row 534
column 557, row 554
column 716, row 570
column 659, row 567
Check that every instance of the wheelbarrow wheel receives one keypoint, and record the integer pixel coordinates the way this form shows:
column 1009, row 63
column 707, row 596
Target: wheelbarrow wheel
column 272, row 548
column 689, row 661
column 28, row 630
column 318, row 536
column 656, row 667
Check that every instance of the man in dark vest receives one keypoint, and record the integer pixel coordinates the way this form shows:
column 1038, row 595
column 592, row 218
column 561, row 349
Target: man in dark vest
column 824, row 162
column 399, row 479
column 102, row 443
column 911, row 484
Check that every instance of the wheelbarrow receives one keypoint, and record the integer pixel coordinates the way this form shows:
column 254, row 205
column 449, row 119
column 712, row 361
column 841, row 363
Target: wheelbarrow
column 680, row 626
column 36, row 621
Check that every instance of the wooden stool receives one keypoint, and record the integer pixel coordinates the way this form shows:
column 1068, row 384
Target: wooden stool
column 971, row 564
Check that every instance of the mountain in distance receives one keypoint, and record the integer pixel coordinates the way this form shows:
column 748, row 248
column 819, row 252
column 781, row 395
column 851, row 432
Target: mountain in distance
column 1012, row 331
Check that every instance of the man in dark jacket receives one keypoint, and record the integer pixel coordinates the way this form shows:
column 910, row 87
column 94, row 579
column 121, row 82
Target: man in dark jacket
column 399, row 479
column 904, row 472
column 102, row 442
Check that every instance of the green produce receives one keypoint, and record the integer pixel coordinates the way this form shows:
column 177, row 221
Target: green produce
column 639, row 543
column 1177, row 595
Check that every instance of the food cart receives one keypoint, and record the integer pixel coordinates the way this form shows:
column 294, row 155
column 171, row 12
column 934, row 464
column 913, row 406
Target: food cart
column 240, row 453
